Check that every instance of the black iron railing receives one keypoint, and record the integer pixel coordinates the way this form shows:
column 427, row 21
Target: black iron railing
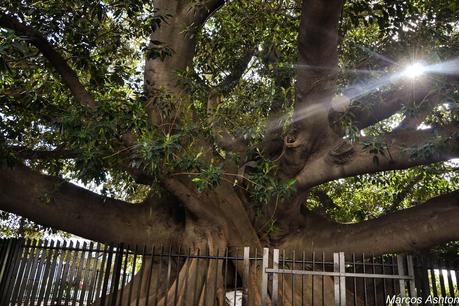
column 86, row 273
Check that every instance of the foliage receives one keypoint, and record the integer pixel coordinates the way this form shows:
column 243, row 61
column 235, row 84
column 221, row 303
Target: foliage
column 370, row 196
column 106, row 42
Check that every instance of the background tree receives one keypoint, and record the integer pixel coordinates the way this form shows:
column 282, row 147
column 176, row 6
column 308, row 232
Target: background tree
column 211, row 124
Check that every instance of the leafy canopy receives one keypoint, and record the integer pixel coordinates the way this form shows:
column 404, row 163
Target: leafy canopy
column 106, row 42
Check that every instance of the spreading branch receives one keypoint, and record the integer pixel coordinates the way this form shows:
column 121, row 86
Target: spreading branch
column 53, row 202
column 371, row 110
column 68, row 75
column 418, row 227
column 315, row 83
column 359, row 160
column 318, row 59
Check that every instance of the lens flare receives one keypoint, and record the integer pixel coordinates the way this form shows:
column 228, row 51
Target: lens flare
column 414, row 70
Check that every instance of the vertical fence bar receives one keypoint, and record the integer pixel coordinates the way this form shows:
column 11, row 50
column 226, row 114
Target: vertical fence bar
column 117, row 273
column 375, row 293
column 401, row 272
column 15, row 259
column 189, row 261
column 141, row 272
column 282, row 277
column 5, row 259
column 302, row 278
column 38, row 279
column 354, row 279
column 107, row 275
column 86, row 272
column 77, row 280
column 100, row 273
column 441, row 277
column 245, row 278
column 123, row 275
column 47, row 269
column 65, row 268
column 177, row 274
column 384, row 280
column 410, row 267
column 225, row 273
column 52, row 272
column 168, row 275
column 275, row 293
column 10, row 253
column 94, row 276
column 264, row 278
column 236, row 262
column 150, row 272
column 293, row 278
column 73, row 257
column 323, row 279
column 217, row 264
column 422, row 277
column 342, row 279
column 28, row 267
column 433, row 278
column 32, row 274
column 336, row 258
column 312, row 278
column 450, row 279
column 159, row 276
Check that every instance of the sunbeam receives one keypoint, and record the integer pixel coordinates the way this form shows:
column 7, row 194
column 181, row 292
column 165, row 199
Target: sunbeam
column 414, row 70
column 450, row 67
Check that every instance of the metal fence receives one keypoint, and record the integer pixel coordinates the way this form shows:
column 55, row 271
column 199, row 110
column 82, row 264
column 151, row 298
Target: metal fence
column 76, row 273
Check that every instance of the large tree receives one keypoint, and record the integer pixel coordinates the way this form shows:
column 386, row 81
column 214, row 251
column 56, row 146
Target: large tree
column 252, row 123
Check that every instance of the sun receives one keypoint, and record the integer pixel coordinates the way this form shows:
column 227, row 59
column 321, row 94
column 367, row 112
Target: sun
column 414, row 70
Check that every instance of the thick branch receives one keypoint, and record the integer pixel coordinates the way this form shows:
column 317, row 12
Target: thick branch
column 415, row 228
column 178, row 34
column 370, row 110
column 315, row 85
column 57, row 61
column 56, row 203
column 358, row 160
column 317, row 46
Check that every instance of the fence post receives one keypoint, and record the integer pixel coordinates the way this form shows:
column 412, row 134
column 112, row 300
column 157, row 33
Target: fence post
column 264, row 278
column 336, row 278
column 342, row 279
column 275, row 292
column 245, row 297
column 401, row 272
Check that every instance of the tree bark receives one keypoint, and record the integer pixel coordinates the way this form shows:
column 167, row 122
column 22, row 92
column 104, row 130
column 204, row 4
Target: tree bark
column 411, row 229
column 56, row 203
